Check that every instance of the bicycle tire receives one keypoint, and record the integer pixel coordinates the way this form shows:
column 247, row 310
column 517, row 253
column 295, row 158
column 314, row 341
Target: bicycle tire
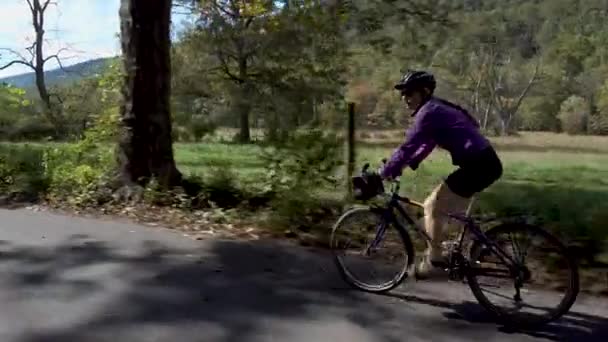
column 506, row 318
column 348, row 276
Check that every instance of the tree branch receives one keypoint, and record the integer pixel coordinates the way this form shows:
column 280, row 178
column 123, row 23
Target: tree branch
column 31, row 6
column 226, row 69
column 56, row 56
column 525, row 91
column 14, row 52
column 17, row 62
column 45, row 5
column 224, row 10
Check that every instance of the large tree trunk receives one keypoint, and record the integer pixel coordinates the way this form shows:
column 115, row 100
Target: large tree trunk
column 145, row 146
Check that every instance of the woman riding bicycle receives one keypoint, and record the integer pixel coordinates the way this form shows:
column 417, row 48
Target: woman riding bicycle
column 438, row 122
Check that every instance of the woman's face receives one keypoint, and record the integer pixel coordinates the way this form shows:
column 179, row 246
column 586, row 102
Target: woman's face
column 412, row 99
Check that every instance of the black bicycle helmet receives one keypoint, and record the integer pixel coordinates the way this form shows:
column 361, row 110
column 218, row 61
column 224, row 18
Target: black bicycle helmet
column 414, row 80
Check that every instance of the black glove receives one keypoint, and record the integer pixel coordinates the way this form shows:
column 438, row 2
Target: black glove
column 367, row 186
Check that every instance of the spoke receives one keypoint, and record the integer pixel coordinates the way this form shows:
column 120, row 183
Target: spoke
column 525, row 249
column 515, row 246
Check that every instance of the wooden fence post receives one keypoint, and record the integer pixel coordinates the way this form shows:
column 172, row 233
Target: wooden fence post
column 350, row 148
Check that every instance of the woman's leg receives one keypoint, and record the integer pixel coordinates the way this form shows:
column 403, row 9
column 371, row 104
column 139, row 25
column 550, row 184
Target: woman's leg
column 440, row 202
column 454, row 196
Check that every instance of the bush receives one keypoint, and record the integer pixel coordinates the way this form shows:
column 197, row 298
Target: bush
column 182, row 134
column 22, row 174
column 81, row 173
column 78, row 173
column 307, row 163
column 201, row 126
column 598, row 124
column 31, row 128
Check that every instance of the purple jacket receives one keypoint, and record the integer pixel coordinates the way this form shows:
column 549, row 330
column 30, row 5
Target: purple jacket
column 437, row 123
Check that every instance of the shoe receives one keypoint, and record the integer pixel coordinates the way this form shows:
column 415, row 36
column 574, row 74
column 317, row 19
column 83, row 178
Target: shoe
column 432, row 269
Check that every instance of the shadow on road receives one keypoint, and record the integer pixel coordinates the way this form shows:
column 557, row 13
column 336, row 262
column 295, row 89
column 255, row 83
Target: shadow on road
column 574, row 326
column 221, row 292
column 228, row 292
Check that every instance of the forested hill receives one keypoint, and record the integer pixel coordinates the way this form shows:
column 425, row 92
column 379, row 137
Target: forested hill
column 60, row 76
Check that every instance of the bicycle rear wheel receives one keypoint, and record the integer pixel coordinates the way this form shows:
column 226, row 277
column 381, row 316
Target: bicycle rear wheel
column 539, row 275
column 382, row 250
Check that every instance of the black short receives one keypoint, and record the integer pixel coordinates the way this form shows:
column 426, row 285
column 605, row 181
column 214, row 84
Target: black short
column 475, row 174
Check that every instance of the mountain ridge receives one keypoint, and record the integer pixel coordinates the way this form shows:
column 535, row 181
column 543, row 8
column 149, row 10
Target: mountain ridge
column 60, row 76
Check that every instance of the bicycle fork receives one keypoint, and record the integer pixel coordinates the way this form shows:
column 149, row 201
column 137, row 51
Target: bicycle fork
column 379, row 236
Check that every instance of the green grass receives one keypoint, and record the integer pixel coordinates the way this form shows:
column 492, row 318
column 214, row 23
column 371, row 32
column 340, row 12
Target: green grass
column 552, row 167
column 201, row 159
column 560, row 179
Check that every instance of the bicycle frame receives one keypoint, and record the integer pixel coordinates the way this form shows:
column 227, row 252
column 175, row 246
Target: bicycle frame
column 395, row 202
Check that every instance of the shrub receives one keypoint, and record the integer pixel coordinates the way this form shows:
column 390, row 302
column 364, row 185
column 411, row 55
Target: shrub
column 598, row 124
column 31, row 128
column 22, row 172
column 81, row 173
column 307, row 163
column 201, row 126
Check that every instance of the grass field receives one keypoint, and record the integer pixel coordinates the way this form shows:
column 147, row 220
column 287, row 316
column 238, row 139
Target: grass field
column 559, row 178
column 561, row 164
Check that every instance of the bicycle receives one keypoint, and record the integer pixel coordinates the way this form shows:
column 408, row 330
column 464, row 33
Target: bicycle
column 460, row 268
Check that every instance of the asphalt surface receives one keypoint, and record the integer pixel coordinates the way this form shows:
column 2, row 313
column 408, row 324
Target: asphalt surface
column 74, row 279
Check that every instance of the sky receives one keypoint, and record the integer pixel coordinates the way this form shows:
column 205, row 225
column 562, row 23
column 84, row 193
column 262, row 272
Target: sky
column 88, row 29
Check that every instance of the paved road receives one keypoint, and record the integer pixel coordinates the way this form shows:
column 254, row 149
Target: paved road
column 73, row 279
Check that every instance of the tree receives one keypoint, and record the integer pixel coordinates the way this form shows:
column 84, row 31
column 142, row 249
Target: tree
column 275, row 60
column 599, row 121
column 233, row 29
column 507, row 94
column 572, row 115
column 37, row 58
column 145, row 143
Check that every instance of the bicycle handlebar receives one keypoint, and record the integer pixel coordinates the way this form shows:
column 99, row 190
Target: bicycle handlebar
column 395, row 182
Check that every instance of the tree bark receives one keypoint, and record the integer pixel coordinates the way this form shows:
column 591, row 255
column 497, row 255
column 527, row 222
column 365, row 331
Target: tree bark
column 145, row 145
column 38, row 22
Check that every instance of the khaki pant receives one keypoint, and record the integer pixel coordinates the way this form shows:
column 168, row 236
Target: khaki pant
column 440, row 202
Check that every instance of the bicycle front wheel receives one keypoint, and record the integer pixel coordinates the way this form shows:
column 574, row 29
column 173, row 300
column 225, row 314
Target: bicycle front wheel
column 541, row 285
column 372, row 254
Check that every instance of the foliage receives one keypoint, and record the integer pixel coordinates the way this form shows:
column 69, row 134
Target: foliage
column 306, row 161
column 22, row 174
column 82, row 172
column 572, row 115
column 599, row 120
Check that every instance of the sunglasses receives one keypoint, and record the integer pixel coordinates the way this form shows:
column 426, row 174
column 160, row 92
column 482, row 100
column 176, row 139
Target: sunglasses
column 407, row 92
